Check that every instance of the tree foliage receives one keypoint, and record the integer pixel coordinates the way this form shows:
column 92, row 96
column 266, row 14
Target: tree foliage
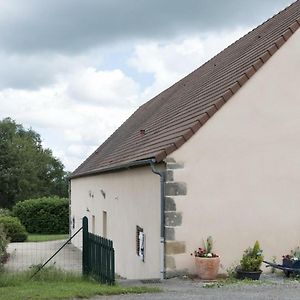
column 27, row 170
column 3, row 247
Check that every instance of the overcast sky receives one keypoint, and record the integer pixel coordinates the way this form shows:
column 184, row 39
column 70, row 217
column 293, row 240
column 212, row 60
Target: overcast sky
column 74, row 70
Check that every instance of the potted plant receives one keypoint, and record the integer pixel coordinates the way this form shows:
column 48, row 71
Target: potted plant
column 207, row 263
column 250, row 263
column 291, row 260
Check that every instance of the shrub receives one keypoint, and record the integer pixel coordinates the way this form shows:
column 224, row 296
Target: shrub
column 44, row 215
column 5, row 212
column 13, row 228
column 3, row 246
column 252, row 258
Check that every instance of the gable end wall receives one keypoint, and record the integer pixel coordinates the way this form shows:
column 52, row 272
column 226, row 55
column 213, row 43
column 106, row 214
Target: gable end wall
column 242, row 169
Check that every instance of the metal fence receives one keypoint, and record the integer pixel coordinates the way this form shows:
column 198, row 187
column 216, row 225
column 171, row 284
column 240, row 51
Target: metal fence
column 98, row 256
column 96, row 259
column 24, row 256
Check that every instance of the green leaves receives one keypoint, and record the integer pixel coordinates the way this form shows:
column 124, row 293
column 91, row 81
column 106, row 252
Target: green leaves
column 44, row 215
column 26, row 169
column 13, row 228
column 3, row 247
column 252, row 258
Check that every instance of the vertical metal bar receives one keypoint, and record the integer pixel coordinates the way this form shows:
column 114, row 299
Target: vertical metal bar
column 104, row 261
column 112, row 263
column 85, row 246
column 101, row 260
column 98, row 257
column 107, row 273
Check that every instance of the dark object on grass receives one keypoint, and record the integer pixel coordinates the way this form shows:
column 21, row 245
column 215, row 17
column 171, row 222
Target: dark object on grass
column 254, row 275
column 250, row 263
column 288, row 267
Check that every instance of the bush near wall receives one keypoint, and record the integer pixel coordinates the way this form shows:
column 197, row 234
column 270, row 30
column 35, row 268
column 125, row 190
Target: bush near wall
column 3, row 248
column 44, row 215
column 13, row 228
column 5, row 212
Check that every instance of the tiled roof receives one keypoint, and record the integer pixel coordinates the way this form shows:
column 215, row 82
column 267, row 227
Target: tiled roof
column 167, row 121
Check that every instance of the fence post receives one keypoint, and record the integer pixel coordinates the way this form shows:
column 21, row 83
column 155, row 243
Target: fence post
column 85, row 246
column 112, row 267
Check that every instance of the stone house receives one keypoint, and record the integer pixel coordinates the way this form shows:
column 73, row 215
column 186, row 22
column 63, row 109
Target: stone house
column 215, row 154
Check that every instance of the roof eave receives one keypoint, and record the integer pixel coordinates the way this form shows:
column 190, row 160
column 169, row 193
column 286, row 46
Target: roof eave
column 114, row 168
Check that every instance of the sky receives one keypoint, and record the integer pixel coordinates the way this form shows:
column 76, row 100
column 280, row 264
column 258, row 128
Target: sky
column 75, row 70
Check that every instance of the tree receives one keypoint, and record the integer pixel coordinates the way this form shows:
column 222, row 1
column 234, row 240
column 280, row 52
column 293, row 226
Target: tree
column 26, row 169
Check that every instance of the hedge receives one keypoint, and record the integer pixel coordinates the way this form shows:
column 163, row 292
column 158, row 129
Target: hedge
column 5, row 212
column 44, row 215
column 3, row 248
column 13, row 228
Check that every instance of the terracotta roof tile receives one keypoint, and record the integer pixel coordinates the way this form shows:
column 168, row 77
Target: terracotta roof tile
column 168, row 120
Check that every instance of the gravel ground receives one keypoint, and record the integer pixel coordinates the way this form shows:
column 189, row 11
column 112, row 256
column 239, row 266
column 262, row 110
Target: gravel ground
column 270, row 287
column 24, row 255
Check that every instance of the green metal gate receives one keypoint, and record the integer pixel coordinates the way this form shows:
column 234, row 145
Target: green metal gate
column 98, row 256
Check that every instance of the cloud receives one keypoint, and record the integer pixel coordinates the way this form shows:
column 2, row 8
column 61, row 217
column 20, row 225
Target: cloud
column 40, row 41
column 105, row 88
column 169, row 62
column 66, row 70
column 73, row 26
column 28, row 71
column 71, row 129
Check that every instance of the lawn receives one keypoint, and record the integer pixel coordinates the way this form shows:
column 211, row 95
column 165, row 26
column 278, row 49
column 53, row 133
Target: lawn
column 46, row 237
column 54, row 284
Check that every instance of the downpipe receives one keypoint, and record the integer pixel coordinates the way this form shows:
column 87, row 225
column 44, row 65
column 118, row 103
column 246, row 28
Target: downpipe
column 162, row 218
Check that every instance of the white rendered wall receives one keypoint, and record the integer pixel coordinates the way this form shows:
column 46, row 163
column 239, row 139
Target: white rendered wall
column 242, row 168
column 132, row 198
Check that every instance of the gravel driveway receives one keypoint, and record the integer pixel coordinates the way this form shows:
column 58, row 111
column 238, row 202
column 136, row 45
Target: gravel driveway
column 24, row 255
column 270, row 287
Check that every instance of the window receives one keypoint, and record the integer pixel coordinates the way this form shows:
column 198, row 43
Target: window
column 104, row 224
column 140, row 242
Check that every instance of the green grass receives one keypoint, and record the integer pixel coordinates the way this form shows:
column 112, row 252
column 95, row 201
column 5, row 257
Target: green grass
column 54, row 284
column 46, row 237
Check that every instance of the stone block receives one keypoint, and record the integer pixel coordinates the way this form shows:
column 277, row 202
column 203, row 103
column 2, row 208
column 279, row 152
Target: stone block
column 170, row 262
column 173, row 218
column 169, row 233
column 174, row 248
column 170, row 204
column 172, row 166
column 169, row 176
column 175, row 189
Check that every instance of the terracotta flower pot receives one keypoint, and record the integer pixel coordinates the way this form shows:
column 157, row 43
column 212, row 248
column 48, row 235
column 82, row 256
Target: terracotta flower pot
column 207, row 268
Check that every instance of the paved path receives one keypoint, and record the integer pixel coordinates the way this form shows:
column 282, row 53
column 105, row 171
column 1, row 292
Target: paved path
column 24, row 255
column 270, row 288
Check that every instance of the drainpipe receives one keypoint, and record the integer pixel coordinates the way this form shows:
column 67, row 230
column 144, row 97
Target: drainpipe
column 162, row 218
column 70, row 217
